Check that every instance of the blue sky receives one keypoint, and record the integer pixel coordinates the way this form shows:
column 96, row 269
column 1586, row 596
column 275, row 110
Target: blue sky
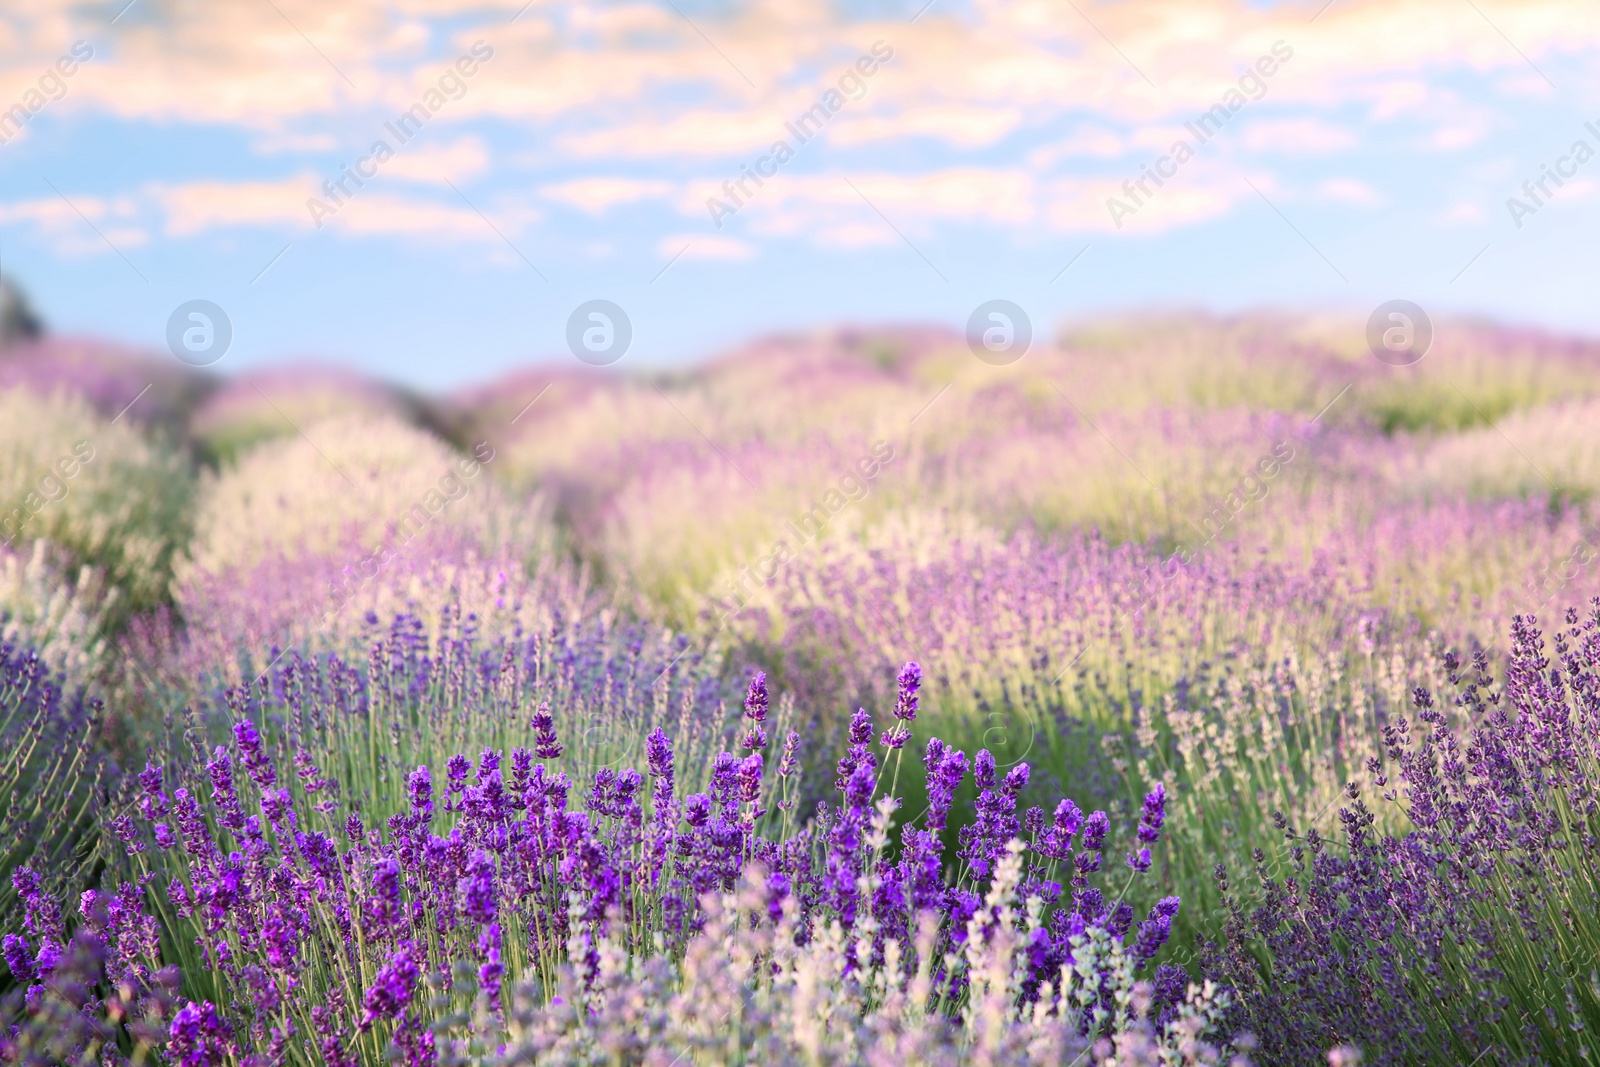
column 977, row 162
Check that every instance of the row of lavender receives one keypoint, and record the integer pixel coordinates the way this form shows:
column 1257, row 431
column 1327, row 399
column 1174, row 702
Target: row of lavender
column 398, row 897
column 403, row 886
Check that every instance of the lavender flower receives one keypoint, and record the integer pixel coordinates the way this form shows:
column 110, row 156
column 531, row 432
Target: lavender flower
column 1153, row 815
column 456, row 771
column 996, row 822
column 791, row 755
column 946, row 769
column 1095, row 830
column 860, row 754
column 199, row 1036
column 755, row 710
column 19, row 958
column 491, row 971
column 1056, row 841
column 256, row 763
column 1155, row 930
column 153, row 805
column 543, row 725
column 908, row 682
column 391, row 988
column 478, row 889
column 750, row 778
column 905, row 706
column 420, row 787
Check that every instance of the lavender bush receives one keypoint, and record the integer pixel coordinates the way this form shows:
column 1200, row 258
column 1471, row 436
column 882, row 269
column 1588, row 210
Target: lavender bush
column 298, row 543
column 98, row 490
column 451, row 907
column 265, row 405
column 51, row 776
column 1472, row 934
column 44, row 608
column 96, row 997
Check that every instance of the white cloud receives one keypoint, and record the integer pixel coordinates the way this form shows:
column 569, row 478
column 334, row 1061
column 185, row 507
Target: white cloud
column 1351, row 191
column 702, row 246
column 597, row 195
column 1303, row 136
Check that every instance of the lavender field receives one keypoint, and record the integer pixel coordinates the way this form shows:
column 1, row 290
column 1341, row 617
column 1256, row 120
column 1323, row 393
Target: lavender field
column 1191, row 691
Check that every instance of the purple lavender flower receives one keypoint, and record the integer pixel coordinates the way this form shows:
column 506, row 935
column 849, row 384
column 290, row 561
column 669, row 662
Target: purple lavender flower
column 905, row 707
column 1119, row 920
column 492, row 971
column 276, row 805
column 614, row 792
column 908, row 683
column 153, row 805
column 383, row 908
column 223, row 794
column 488, row 765
column 19, row 958
column 477, row 889
column 1095, row 830
column 658, row 757
column 1155, row 930
column 41, row 915
column 420, row 788
column 123, row 827
column 1056, row 841
column 750, row 778
column 1153, row 815
column 320, row 855
column 456, row 770
column 996, row 821
column 791, row 755
column 256, row 763
column 391, row 988
column 543, row 725
column 860, row 727
column 944, row 779
column 1033, row 821
column 281, row 936
column 521, row 775
column 755, row 710
column 983, row 770
column 860, row 754
column 199, row 1037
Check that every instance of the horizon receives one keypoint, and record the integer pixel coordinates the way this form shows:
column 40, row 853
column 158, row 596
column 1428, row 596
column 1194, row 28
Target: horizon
column 1057, row 337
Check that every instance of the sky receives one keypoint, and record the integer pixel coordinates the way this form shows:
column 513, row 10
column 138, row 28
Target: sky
column 538, row 156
